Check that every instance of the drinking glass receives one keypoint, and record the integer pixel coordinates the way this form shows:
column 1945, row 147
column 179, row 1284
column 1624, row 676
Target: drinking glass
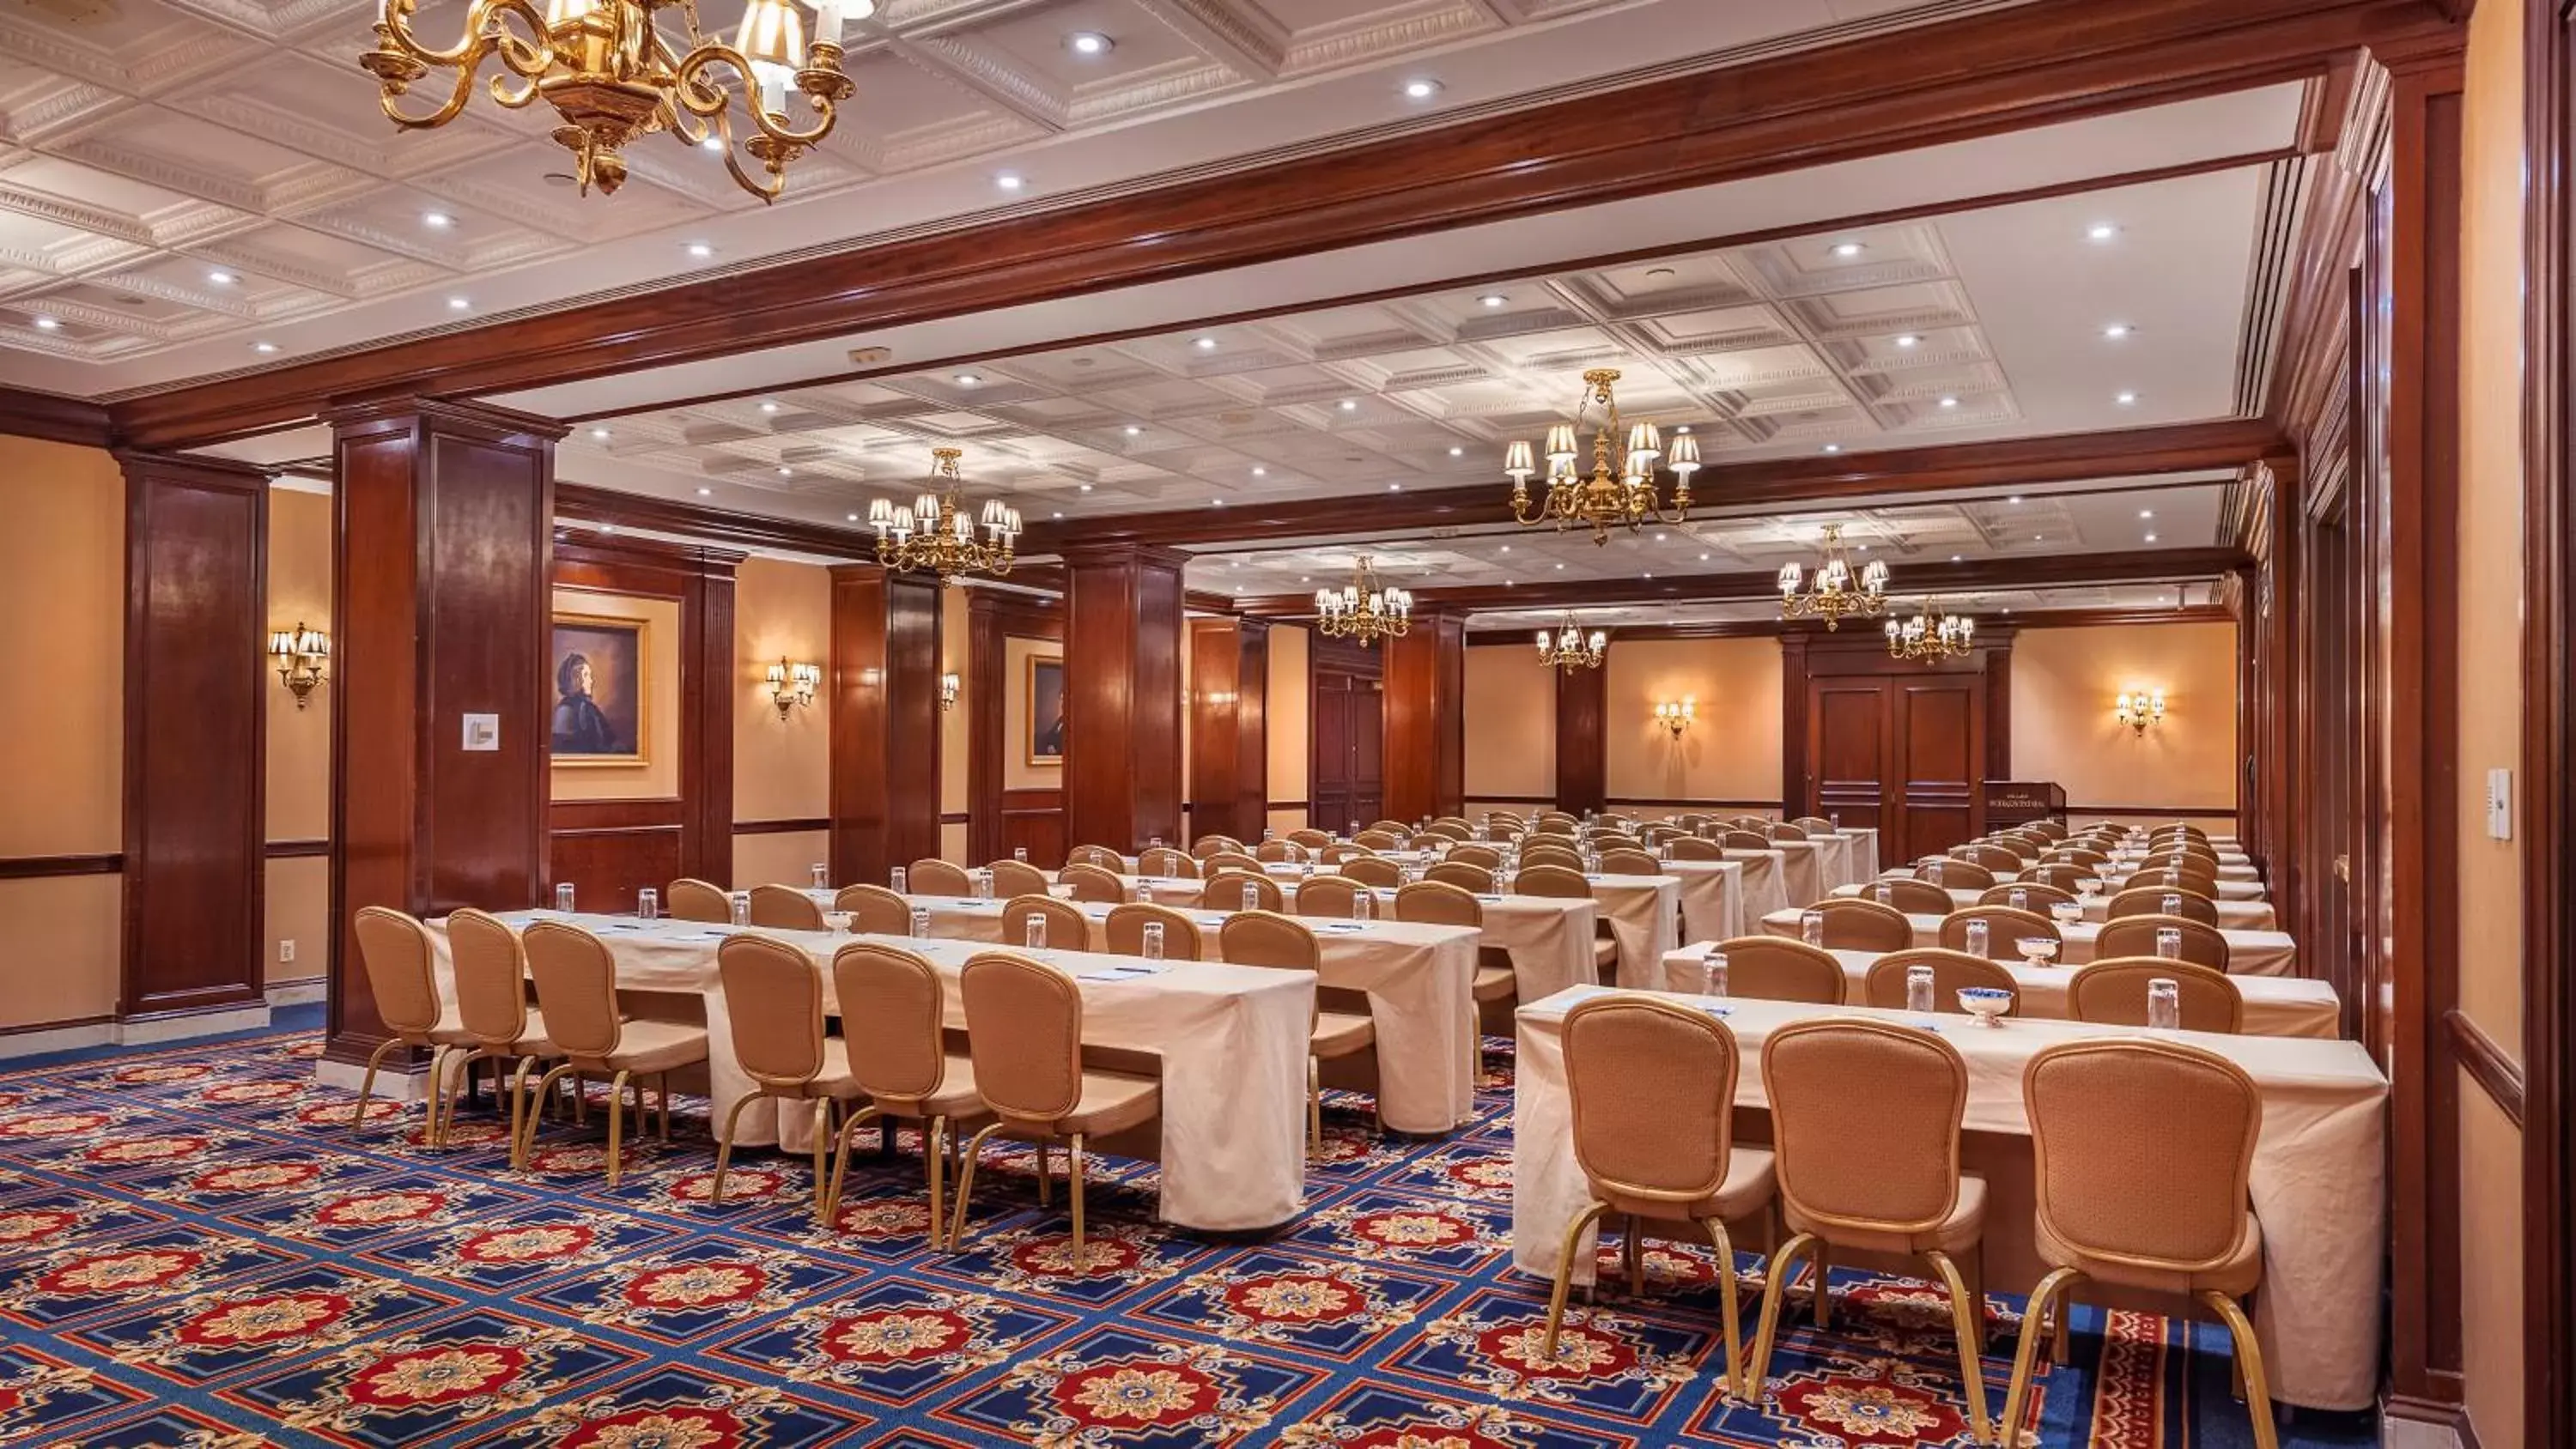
column 921, row 920
column 1251, row 896
column 982, row 876
column 1918, row 988
column 1033, row 935
column 1363, row 904
column 1977, row 937
column 563, row 896
column 1020, row 853
column 2171, row 905
column 1715, row 964
column 2168, row 943
column 2018, row 899
column 741, row 907
column 1811, row 927
column 900, row 879
column 1154, row 842
column 1269, row 832
column 1836, row 821
column 648, row 904
column 2164, row 1004
column 1355, row 828
column 822, row 877
column 1153, row 940
column 1885, row 893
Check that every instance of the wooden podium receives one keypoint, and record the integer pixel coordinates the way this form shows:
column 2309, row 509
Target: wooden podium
column 2018, row 802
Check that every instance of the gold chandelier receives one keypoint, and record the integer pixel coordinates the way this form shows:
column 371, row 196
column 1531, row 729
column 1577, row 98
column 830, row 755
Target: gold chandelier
column 934, row 534
column 1611, row 497
column 612, row 76
column 1570, row 648
column 1932, row 635
column 1838, row 589
column 1363, row 609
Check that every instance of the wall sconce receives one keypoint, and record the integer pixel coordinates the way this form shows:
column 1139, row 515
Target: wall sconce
column 2140, row 709
column 299, row 653
column 792, row 684
column 1677, row 715
column 948, row 686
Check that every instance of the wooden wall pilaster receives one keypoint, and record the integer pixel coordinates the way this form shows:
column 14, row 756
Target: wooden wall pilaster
column 884, row 680
column 1229, row 727
column 1426, row 718
column 1122, row 696
column 1582, row 737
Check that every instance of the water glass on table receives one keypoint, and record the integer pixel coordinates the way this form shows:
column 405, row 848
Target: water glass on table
column 900, row 880
column 563, row 896
column 2017, row 898
column 1033, row 933
column 2164, row 1004
column 1250, row 899
column 1713, row 980
column 1885, row 894
column 2168, row 943
column 1918, row 988
column 2170, row 903
column 1363, row 904
column 1978, row 938
column 1020, row 853
column 920, row 921
column 1811, row 928
column 981, row 879
column 648, row 904
column 822, row 877
column 741, row 903
column 1153, row 942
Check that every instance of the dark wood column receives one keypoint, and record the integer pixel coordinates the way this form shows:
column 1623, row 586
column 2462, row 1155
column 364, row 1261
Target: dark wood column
column 196, row 688
column 1229, row 727
column 1000, row 819
column 1426, row 718
column 1122, row 695
column 441, row 579
column 1582, row 737
column 885, row 721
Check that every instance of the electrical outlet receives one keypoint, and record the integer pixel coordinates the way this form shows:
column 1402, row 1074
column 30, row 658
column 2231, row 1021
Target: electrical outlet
column 286, row 953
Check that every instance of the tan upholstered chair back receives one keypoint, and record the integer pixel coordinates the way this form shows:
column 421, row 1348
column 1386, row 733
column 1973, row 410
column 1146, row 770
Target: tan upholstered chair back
column 1957, row 875
column 1269, row 850
column 1374, row 870
column 1379, row 839
column 2150, row 901
column 1992, row 857
column 396, row 950
column 1428, row 841
column 1024, row 1034
column 1741, row 839
column 1565, row 856
column 931, row 876
column 1067, row 929
column 1091, row 883
column 2036, row 896
column 1208, row 845
column 1099, row 855
column 1327, row 895
column 874, row 910
column 1865, row 1123
column 1259, row 938
column 1436, row 902
column 1471, row 854
column 697, row 900
column 2136, row 936
column 1126, row 932
column 2005, row 929
column 774, row 999
column 1653, row 1087
column 1630, row 862
column 1224, row 892
column 2053, row 829
column 1913, row 897
column 1691, row 847
column 1951, row 970
column 576, row 988
column 2113, row 991
column 1783, row 830
column 1775, row 968
column 893, row 1009
column 1232, row 860
column 2062, row 875
column 2021, row 846
column 2199, row 883
column 1814, row 825
column 1454, row 831
column 2077, row 855
column 1559, row 817
column 2142, row 1150
column 1551, row 880
column 1391, row 826
column 1017, row 878
column 491, row 977
column 1311, row 838
column 784, row 908
column 1473, row 878
column 1857, row 925
column 1165, row 861
column 1336, row 854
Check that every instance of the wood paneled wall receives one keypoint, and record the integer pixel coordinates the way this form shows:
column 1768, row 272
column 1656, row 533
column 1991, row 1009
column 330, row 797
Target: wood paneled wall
column 1426, row 719
column 885, row 721
column 1122, row 696
column 1000, row 820
column 1582, row 739
column 1229, row 727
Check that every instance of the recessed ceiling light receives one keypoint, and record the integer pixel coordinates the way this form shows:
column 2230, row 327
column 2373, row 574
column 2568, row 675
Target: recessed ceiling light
column 2039, row 538
column 1507, row 548
column 1849, row 249
column 2101, row 231
column 599, row 434
column 851, row 516
column 437, row 219
column 1909, row 340
column 1684, row 428
column 1949, row 402
column 1010, row 181
column 700, row 251
column 458, row 304
column 1833, row 447
column 2146, row 513
column 1457, row 452
column 1954, row 558
column 48, row 324
column 1350, row 405
column 2117, row 330
column 1260, row 472
column 1089, row 42
column 2151, row 538
column 2015, row 499
column 263, row 347
column 1560, row 568
column 786, row 472
column 2126, row 399
column 1421, row 88
column 1219, row 502
column 1493, row 299
column 968, row 379
column 1703, row 558
column 1058, row 513
column 1864, row 548
column 221, row 279
column 1086, row 487
column 1395, row 488
column 709, row 493
column 1134, row 431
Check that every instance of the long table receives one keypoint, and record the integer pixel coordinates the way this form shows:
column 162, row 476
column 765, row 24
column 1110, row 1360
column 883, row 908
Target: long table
column 2249, row 953
column 1231, row 1041
column 2233, row 915
column 2317, row 1183
column 2274, row 1005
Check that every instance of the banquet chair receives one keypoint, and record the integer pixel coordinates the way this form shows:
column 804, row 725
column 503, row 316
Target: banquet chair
column 1207, row 845
column 1125, row 930
column 1089, row 883
column 1913, row 897
column 2021, row 846
column 1786, row 831
column 1475, row 878
column 1652, row 1089
column 2053, row 829
column 1374, row 870
column 1742, row 839
column 2075, row 855
column 2006, row 929
column 1858, row 925
column 1957, row 875
column 1310, row 838
column 894, row 1018
column 1429, row 843
column 931, row 876
column 1992, row 857
column 577, row 992
column 1456, row 831
column 492, row 1008
column 1233, row 860
column 1659, row 832
column 1024, row 1037
column 1391, row 826
column 2033, row 896
column 1017, row 878
column 1815, row 825
column 696, row 900
column 773, row 1000
column 1067, row 928
column 2185, row 857
column 1280, row 850
column 1630, row 862
column 1564, row 856
column 1163, row 861
column 1341, row 1025
column 1224, row 892
column 1565, row 884
column 2150, row 901
column 2141, row 1151
column 2113, row 991
column 1865, row 1119
column 396, row 951
column 784, row 908
column 1336, row 854
column 1484, row 855
column 1775, row 968
column 2059, row 875
column 2198, row 882
column 1691, row 847
column 1884, row 985
column 1380, row 839
column 1557, row 821
column 2136, row 936
column 1329, row 895
column 1099, row 855
column 874, row 910
column 1496, row 986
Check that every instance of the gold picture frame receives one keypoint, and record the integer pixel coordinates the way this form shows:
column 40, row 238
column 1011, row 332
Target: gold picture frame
column 1042, row 710
column 616, row 729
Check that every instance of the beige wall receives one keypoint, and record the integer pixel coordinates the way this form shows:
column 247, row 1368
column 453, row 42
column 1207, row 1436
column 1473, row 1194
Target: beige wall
column 2063, row 681
column 780, row 858
column 1017, row 772
column 782, row 770
column 1285, row 710
column 659, row 776
column 2489, row 667
column 1511, row 723
column 298, row 889
column 954, row 737
column 62, row 695
column 1730, row 752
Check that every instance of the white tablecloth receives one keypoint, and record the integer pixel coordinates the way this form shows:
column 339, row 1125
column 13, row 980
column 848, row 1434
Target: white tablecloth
column 1231, row 1039
column 1864, row 851
column 1712, row 898
column 2249, row 953
column 2317, row 1185
column 2228, row 890
column 2232, row 915
column 1645, row 914
column 1766, row 881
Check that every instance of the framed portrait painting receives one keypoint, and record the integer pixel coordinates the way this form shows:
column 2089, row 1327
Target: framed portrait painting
column 1046, row 710
column 599, row 662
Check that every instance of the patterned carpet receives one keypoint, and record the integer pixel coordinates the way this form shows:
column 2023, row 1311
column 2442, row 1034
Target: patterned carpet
column 195, row 1250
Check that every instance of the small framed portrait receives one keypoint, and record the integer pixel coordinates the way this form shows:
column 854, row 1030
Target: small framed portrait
column 1046, row 711
column 600, row 689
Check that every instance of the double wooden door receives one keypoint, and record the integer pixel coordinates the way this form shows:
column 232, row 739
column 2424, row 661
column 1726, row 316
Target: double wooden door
column 1349, row 780
column 1905, row 753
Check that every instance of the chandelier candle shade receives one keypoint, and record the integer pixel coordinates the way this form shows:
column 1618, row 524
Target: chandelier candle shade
column 1932, row 635
column 1569, row 648
column 613, row 75
column 1838, row 589
column 1617, row 494
column 934, row 534
column 1363, row 609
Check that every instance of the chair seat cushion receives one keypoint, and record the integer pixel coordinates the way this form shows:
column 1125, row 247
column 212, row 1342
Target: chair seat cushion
column 657, row 1046
column 1111, row 1101
column 956, row 1096
column 1750, row 1182
column 1954, row 1234
column 1340, row 1033
column 1495, row 983
column 2235, row 1277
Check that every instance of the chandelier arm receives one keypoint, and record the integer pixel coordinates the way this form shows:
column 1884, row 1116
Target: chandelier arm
column 767, row 190
column 455, row 106
column 690, row 85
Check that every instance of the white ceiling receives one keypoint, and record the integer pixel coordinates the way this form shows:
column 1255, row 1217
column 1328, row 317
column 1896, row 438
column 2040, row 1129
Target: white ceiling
column 183, row 179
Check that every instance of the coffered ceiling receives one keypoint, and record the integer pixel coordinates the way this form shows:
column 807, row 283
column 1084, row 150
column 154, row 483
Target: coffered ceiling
column 195, row 187
column 1986, row 606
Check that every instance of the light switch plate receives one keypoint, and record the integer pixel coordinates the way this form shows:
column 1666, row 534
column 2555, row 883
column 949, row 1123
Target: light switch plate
column 482, row 733
column 2500, row 804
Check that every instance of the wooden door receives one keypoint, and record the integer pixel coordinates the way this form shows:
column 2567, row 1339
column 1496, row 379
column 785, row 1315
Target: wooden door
column 1850, row 745
column 1940, row 753
column 1348, row 774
